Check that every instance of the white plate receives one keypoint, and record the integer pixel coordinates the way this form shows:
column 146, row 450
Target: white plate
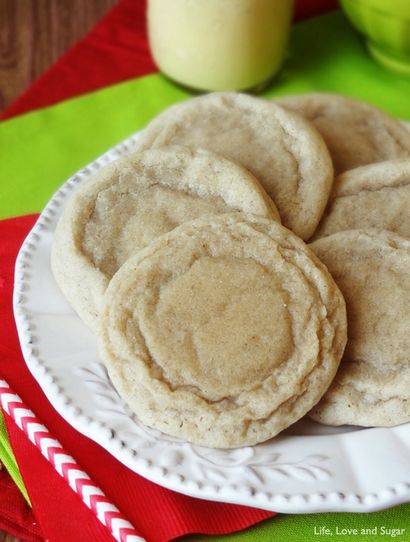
column 309, row 468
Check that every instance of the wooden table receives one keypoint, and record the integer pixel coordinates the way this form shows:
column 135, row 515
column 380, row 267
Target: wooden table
column 33, row 34
column 4, row 537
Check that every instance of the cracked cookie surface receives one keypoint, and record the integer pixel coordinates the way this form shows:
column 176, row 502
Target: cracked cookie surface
column 224, row 331
column 371, row 387
column 356, row 133
column 134, row 200
column 374, row 196
column 281, row 149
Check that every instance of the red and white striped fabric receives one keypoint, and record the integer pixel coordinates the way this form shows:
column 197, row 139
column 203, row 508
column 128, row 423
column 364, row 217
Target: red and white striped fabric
column 66, row 466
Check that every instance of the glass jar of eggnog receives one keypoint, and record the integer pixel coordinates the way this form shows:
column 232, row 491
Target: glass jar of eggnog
column 219, row 44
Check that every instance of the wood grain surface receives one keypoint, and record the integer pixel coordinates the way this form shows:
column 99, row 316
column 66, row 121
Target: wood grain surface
column 34, row 33
column 4, row 537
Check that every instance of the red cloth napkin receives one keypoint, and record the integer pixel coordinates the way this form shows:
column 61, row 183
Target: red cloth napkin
column 16, row 517
column 157, row 513
column 115, row 50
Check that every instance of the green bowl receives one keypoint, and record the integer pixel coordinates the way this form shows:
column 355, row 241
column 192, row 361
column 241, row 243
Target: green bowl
column 386, row 27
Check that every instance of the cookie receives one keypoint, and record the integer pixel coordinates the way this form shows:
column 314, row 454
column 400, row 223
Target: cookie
column 356, row 133
column 134, row 200
column 223, row 332
column 372, row 385
column 373, row 196
column 280, row 148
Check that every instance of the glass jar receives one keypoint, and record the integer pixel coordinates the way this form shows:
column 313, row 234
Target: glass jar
column 219, row 44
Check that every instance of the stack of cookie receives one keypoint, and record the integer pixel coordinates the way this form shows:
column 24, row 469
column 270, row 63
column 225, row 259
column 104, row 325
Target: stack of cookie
column 188, row 259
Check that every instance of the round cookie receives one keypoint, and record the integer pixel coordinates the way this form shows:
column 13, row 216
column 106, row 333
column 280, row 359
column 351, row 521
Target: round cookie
column 356, row 133
column 373, row 196
column 372, row 385
column 134, row 200
column 280, row 148
column 224, row 331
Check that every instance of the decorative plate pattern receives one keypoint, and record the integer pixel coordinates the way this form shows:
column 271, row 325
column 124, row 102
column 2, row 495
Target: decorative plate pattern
column 308, row 468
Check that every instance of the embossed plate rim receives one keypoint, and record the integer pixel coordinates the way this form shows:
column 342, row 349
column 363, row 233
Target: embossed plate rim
column 270, row 475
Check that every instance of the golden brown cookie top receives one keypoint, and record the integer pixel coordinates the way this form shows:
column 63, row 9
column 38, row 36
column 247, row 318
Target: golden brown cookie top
column 372, row 385
column 224, row 331
column 134, row 200
column 373, row 196
column 355, row 132
column 281, row 149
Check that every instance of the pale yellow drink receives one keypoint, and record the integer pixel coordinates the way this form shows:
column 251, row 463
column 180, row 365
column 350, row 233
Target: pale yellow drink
column 219, row 44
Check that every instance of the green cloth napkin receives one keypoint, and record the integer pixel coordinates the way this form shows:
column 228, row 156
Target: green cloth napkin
column 8, row 459
column 39, row 150
column 387, row 525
